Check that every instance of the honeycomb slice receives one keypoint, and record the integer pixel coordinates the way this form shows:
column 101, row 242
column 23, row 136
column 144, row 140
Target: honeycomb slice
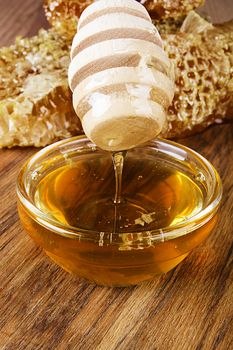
column 169, row 25
column 35, row 107
column 162, row 9
column 204, row 75
column 63, row 14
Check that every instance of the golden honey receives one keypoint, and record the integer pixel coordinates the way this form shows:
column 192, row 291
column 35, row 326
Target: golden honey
column 156, row 225
column 80, row 195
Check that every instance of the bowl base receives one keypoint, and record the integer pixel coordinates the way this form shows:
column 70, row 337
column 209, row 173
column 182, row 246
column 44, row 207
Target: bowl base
column 115, row 277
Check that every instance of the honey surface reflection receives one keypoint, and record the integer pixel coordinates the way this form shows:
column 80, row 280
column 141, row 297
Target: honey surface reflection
column 81, row 194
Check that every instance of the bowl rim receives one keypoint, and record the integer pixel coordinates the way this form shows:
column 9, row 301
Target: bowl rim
column 162, row 234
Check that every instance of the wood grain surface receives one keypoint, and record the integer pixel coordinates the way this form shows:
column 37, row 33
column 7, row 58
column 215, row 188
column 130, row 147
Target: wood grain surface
column 43, row 307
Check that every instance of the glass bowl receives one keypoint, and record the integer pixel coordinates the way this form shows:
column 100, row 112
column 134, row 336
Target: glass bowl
column 181, row 189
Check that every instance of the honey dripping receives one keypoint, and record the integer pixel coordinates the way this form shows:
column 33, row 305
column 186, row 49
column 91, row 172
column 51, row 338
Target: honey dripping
column 118, row 164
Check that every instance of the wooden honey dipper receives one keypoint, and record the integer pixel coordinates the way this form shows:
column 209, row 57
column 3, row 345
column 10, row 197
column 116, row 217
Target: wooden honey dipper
column 121, row 78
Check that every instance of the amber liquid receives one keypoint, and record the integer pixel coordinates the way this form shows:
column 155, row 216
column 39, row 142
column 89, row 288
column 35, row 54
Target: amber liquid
column 155, row 195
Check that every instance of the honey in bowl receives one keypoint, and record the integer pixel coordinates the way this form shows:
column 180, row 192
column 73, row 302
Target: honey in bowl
column 81, row 194
column 170, row 196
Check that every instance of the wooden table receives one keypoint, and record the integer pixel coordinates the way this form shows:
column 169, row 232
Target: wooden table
column 43, row 307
